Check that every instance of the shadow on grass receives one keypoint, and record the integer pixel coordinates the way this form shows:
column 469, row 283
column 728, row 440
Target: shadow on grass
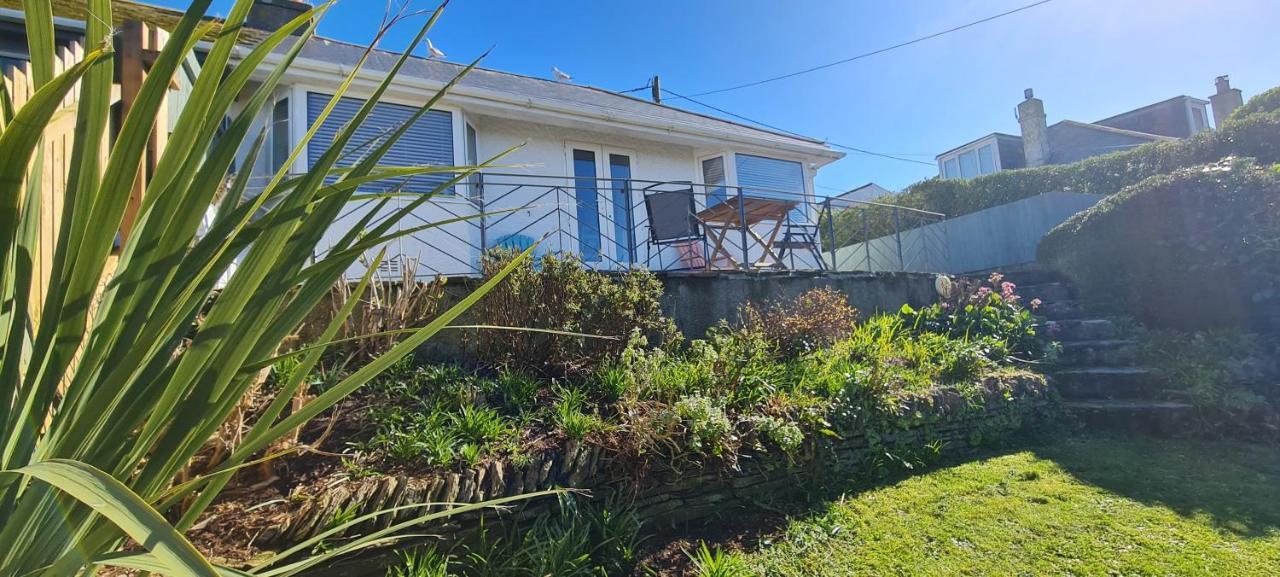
column 1236, row 486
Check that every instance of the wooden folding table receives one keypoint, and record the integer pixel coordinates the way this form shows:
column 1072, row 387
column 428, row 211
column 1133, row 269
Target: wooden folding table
column 742, row 214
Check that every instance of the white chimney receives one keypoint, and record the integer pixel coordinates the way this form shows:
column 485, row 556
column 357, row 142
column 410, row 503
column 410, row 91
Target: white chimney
column 1225, row 101
column 1035, row 130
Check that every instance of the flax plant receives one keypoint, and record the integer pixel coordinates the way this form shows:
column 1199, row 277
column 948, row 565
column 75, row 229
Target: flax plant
column 108, row 392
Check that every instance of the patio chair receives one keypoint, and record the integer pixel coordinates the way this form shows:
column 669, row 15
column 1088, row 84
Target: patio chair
column 800, row 237
column 673, row 222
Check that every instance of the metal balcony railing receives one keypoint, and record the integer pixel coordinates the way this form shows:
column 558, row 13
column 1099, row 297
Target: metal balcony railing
column 615, row 225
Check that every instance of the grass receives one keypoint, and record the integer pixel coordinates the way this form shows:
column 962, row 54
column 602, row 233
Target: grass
column 1085, row 507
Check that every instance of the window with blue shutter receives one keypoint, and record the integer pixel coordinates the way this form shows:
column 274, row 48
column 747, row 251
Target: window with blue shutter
column 428, row 142
column 763, row 177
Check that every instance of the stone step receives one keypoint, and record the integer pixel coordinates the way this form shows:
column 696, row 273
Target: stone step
column 1034, row 276
column 1080, row 329
column 1099, row 353
column 1160, row 418
column 1104, row 383
column 1048, row 292
column 1062, row 310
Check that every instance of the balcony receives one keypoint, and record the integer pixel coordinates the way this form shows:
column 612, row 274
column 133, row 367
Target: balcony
column 615, row 225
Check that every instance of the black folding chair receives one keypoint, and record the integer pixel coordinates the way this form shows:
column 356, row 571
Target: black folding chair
column 673, row 221
column 802, row 237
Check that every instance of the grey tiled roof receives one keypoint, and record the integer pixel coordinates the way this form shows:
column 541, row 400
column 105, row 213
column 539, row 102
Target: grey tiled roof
column 338, row 52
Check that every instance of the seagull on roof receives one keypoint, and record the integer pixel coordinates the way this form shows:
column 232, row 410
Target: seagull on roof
column 560, row 75
column 433, row 51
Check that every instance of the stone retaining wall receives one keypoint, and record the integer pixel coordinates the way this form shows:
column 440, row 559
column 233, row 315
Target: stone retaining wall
column 661, row 497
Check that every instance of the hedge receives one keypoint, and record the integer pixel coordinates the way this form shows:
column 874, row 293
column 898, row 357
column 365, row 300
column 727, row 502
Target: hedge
column 1198, row 248
column 1255, row 136
column 1264, row 103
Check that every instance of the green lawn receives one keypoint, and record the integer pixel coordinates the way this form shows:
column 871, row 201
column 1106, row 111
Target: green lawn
column 1092, row 507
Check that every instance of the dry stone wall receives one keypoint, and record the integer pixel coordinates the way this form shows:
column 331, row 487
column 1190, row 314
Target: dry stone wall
column 663, row 496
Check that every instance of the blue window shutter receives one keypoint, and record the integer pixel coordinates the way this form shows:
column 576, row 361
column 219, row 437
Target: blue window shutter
column 772, row 178
column 428, row 142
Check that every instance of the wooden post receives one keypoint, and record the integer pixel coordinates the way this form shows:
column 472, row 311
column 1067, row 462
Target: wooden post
column 131, row 73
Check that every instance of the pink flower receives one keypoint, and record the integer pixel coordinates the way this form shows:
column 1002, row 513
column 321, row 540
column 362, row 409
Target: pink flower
column 1035, row 303
column 995, row 278
column 1006, row 291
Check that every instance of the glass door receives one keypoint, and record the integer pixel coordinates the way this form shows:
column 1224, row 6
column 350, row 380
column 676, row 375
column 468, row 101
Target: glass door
column 622, row 214
column 587, row 203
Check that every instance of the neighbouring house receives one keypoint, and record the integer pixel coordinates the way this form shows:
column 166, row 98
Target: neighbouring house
column 1067, row 141
column 864, row 193
column 580, row 181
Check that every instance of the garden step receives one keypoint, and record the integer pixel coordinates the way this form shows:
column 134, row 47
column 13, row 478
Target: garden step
column 1162, row 418
column 1031, row 277
column 1062, row 310
column 1110, row 352
column 1048, row 292
column 1080, row 330
column 1104, row 383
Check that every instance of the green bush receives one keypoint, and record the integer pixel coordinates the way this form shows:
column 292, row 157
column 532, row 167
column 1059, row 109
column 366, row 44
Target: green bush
column 1255, row 136
column 810, row 321
column 1199, row 248
column 1204, row 367
column 988, row 313
column 1265, row 103
column 580, row 540
column 559, row 294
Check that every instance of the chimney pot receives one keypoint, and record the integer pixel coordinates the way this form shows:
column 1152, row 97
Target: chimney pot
column 1028, row 93
column 1225, row 101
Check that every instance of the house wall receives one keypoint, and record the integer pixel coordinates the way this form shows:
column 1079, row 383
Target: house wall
column 548, row 205
column 529, row 194
column 1011, row 154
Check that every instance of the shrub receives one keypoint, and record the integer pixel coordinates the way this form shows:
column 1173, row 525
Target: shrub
column 558, row 293
column 1264, row 103
column 581, row 540
column 884, row 356
column 716, row 563
column 423, row 562
column 1205, row 367
column 388, row 306
column 705, row 421
column 1199, row 248
column 1246, row 135
column 812, row 320
column 570, row 414
column 990, row 313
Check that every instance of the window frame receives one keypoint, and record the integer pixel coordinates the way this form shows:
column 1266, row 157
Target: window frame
column 298, row 111
column 975, row 148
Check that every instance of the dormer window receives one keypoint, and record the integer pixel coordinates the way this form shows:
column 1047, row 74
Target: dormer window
column 1199, row 119
column 970, row 161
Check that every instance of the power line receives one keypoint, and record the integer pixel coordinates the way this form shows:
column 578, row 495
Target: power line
column 875, row 52
column 797, row 135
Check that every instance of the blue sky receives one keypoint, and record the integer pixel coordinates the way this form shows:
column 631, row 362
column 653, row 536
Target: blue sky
column 1087, row 59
